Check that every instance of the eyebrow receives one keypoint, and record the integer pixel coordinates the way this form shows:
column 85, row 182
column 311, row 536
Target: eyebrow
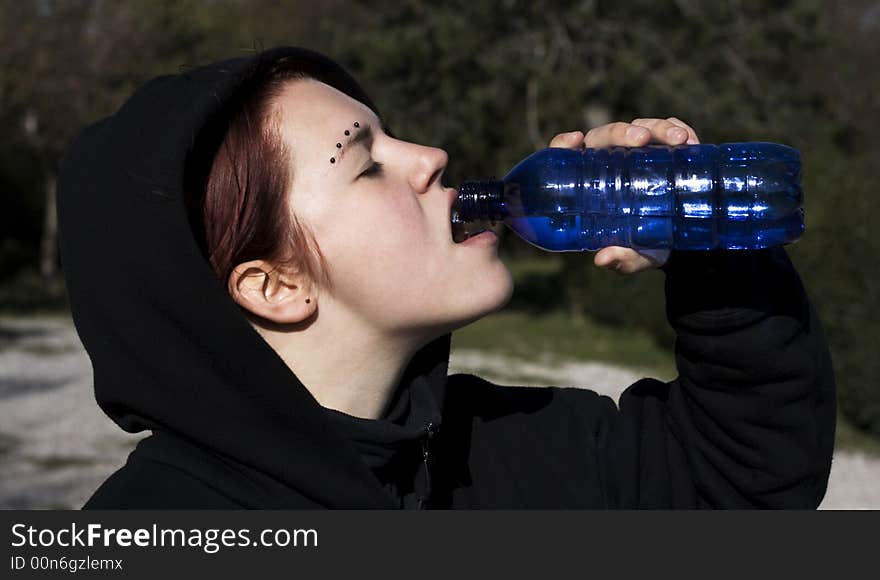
column 363, row 136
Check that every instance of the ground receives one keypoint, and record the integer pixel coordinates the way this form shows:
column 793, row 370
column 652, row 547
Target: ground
column 57, row 446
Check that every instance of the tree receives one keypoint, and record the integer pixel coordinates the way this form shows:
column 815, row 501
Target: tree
column 493, row 81
column 66, row 63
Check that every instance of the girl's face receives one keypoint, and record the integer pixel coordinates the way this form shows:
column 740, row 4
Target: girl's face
column 382, row 220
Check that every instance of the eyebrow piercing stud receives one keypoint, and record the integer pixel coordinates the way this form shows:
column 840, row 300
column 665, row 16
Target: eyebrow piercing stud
column 339, row 145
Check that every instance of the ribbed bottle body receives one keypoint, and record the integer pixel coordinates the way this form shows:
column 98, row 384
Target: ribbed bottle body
column 696, row 197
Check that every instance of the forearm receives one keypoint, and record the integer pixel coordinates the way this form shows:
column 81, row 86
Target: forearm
column 753, row 407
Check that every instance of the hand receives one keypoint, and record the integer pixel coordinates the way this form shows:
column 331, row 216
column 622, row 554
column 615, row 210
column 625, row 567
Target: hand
column 639, row 133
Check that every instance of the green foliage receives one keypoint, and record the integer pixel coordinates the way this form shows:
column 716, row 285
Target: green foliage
column 29, row 293
column 493, row 81
column 554, row 338
column 837, row 261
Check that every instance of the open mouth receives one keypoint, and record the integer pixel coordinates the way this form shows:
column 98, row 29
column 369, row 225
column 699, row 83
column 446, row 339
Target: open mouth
column 468, row 203
column 464, row 230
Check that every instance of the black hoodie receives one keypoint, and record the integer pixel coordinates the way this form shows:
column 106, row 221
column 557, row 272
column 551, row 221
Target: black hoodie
column 749, row 422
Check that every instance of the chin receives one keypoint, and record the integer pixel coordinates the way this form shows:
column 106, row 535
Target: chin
column 487, row 293
column 503, row 291
column 490, row 294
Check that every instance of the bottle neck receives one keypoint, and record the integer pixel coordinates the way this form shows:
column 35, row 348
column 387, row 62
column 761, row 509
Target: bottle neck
column 480, row 201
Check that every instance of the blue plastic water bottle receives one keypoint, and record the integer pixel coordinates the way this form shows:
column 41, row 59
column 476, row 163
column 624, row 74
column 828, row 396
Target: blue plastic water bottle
column 689, row 197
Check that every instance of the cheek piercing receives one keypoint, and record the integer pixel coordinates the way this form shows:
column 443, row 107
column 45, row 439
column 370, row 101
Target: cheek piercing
column 308, row 300
column 332, row 160
column 356, row 124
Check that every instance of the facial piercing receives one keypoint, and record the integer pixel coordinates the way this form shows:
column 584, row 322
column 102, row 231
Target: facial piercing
column 339, row 145
column 308, row 300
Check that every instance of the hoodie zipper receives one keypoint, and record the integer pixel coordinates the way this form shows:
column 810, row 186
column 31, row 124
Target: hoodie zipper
column 430, row 431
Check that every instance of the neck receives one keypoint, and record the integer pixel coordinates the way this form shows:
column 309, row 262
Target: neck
column 343, row 364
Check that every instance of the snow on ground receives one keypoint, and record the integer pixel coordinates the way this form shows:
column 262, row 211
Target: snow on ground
column 57, row 446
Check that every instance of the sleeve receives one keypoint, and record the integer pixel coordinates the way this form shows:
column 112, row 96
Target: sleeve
column 750, row 419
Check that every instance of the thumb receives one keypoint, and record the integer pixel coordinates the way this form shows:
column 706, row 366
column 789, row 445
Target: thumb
column 657, row 257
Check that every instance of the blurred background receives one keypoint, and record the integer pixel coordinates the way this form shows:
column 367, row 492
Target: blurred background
column 490, row 82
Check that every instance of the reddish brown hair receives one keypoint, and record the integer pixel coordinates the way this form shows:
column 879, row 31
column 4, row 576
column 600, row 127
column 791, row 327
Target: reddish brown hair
column 239, row 205
column 239, row 171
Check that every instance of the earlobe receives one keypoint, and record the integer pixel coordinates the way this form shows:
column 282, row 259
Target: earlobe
column 268, row 293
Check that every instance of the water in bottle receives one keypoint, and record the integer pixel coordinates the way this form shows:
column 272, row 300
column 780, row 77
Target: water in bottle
column 694, row 197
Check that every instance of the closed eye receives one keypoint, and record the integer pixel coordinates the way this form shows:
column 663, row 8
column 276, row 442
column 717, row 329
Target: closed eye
column 373, row 170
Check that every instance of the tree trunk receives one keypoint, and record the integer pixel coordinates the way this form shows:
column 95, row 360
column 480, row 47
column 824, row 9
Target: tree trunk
column 49, row 239
column 533, row 115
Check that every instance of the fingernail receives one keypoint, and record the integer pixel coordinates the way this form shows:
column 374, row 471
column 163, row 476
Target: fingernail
column 634, row 132
column 676, row 133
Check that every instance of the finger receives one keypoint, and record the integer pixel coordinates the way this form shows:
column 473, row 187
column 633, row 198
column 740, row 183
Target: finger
column 692, row 135
column 606, row 256
column 659, row 126
column 664, row 131
column 623, row 260
column 616, row 135
column 616, row 258
column 569, row 140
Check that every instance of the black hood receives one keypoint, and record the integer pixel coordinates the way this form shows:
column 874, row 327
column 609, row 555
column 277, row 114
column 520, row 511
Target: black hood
column 171, row 351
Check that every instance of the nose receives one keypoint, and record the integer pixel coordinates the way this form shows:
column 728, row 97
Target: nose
column 428, row 167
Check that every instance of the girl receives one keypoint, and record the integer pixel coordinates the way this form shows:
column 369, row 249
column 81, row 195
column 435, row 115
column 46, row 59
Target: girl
column 266, row 278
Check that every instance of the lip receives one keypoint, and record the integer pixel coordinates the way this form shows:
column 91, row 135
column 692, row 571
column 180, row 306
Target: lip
column 452, row 194
column 488, row 237
column 484, row 238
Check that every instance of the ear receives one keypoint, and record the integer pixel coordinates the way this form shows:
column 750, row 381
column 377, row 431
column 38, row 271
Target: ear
column 280, row 296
